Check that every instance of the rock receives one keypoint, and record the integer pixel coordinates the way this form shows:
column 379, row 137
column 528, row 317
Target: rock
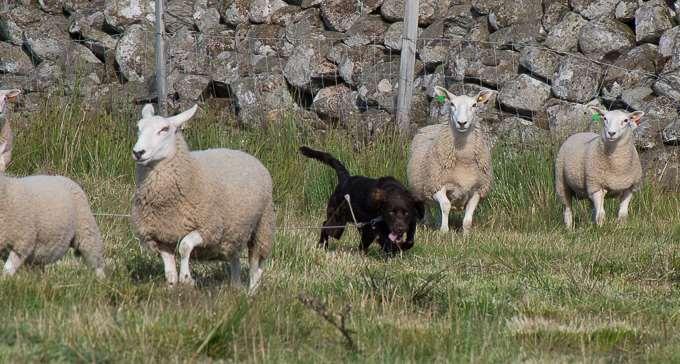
column 335, row 102
column 237, row 12
column 119, row 14
column 592, row 9
column 604, row 37
column 524, row 94
column 45, row 77
column 659, row 113
column 634, row 69
column 135, row 54
column 668, row 84
column 182, row 15
column 289, row 14
column 566, row 118
column 635, row 98
column 308, row 66
column 516, row 35
column 652, row 20
column 520, row 133
column 367, row 126
column 184, row 53
column 625, row 10
column 426, row 83
column 42, row 49
column 10, row 32
column 99, row 43
column 261, row 10
column 14, row 61
column 428, row 10
column 487, row 66
column 265, row 40
column 260, row 98
column 187, row 88
column 420, row 110
column 367, row 30
column 564, row 36
column 206, row 19
column 340, row 15
column 669, row 42
column 378, row 85
column 224, row 69
column 433, row 49
column 352, row 62
column 576, row 79
column 671, row 133
column 509, row 13
column 539, row 61
column 553, row 13
column 392, row 38
column 215, row 44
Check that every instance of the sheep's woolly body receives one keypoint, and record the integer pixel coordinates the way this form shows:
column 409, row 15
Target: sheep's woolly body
column 441, row 157
column 41, row 217
column 585, row 165
column 225, row 195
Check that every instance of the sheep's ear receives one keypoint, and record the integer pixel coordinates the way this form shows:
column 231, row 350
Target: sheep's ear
column 147, row 111
column 597, row 109
column 5, row 146
column 378, row 196
column 180, row 119
column 440, row 91
column 636, row 117
column 484, row 96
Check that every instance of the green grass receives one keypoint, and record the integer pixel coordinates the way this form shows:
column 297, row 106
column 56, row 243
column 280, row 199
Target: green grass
column 519, row 288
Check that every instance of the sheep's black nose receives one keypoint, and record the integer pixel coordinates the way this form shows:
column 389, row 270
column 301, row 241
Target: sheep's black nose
column 611, row 133
column 462, row 123
column 138, row 154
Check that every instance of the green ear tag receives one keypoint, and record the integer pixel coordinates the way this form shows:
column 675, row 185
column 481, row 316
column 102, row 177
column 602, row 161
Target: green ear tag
column 597, row 118
column 441, row 98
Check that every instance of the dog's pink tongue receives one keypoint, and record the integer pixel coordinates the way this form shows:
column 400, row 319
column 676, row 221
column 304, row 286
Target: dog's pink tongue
column 393, row 237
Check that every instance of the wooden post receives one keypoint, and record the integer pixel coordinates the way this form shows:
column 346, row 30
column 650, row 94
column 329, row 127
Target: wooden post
column 408, row 59
column 161, row 90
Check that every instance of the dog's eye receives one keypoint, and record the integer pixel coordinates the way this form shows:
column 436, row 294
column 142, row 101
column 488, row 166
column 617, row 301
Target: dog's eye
column 392, row 213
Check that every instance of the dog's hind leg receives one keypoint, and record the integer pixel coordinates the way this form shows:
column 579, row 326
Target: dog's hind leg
column 367, row 237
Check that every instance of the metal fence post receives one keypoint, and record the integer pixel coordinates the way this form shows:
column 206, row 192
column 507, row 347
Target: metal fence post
column 407, row 63
column 161, row 90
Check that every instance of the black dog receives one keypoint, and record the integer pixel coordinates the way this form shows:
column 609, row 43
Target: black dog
column 387, row 207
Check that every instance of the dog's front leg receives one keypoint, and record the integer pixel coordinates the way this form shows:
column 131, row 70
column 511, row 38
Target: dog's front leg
column 367, row 237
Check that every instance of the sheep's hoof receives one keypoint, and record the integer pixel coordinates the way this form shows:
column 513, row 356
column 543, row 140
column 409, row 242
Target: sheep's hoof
column 622, row 219
column 444, row 230
column 188, row 281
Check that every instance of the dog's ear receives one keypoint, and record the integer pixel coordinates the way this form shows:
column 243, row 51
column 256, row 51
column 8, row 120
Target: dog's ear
column 378, row 197
column 420, row 208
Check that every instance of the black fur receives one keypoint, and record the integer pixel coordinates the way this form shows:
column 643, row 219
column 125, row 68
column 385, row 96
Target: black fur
column 384, row 199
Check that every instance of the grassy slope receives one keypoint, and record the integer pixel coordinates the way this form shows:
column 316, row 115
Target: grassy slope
column 519, row 288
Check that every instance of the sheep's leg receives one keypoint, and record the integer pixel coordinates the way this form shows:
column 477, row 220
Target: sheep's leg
column 445, row 207
column 598, row 204
column 235, row 270
column 568, row 215
column 14, row 261
column 255, row 273
column 169, row 266
column 186, row 246
column 623, row 208
column 470, row 207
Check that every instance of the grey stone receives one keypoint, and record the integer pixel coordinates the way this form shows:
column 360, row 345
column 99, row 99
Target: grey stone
column 603, row 37
column 340, row 15
column 433, row 47
column 428, row 10
column 635, row 98
column 488, row 66
column 625, row 10
column 524, row 94
column 10, row 32
column 378, row 85
column 563, row 37
column 237, row 12
column 591, row 9
column 14, row 61
column 206, row 19
column 261, row 98
column 187, row 88
column 508, row 13
column 651, row 21
column 566, row 118
column 539, row 61
column 520, row 133
column 119, row 14
column 516, row 35
column 552, row 13
column 352, row 62
column 668, row 84
column 261, row 10
column 265, row 40
column 98, row 42
column 135, row 54
column 45, row 77
column 182, row 15
column 308, row 66
column 367, row 30
column 335, row 102
column 671, row 133
column 224, row 68
column 367, row 126
column 669, row 42
column 576, row 79
column 426, row 83
column 634, row 69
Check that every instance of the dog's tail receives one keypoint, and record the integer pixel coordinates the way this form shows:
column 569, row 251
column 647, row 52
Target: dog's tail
column 326, row 158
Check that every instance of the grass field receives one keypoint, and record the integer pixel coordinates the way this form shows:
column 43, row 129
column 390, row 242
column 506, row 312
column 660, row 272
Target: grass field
column 519, row 288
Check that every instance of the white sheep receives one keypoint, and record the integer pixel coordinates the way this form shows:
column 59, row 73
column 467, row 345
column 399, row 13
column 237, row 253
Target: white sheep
column 212, row 202
column 594, row 166
column 41, row 217
column 451, row 163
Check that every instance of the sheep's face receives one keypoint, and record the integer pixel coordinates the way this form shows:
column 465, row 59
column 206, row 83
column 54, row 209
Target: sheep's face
column 156, row 136
column 464, row 109
column 617, row 123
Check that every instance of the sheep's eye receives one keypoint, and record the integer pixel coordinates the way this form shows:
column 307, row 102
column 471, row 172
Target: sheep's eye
column 475, row 104
column 165, row 129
